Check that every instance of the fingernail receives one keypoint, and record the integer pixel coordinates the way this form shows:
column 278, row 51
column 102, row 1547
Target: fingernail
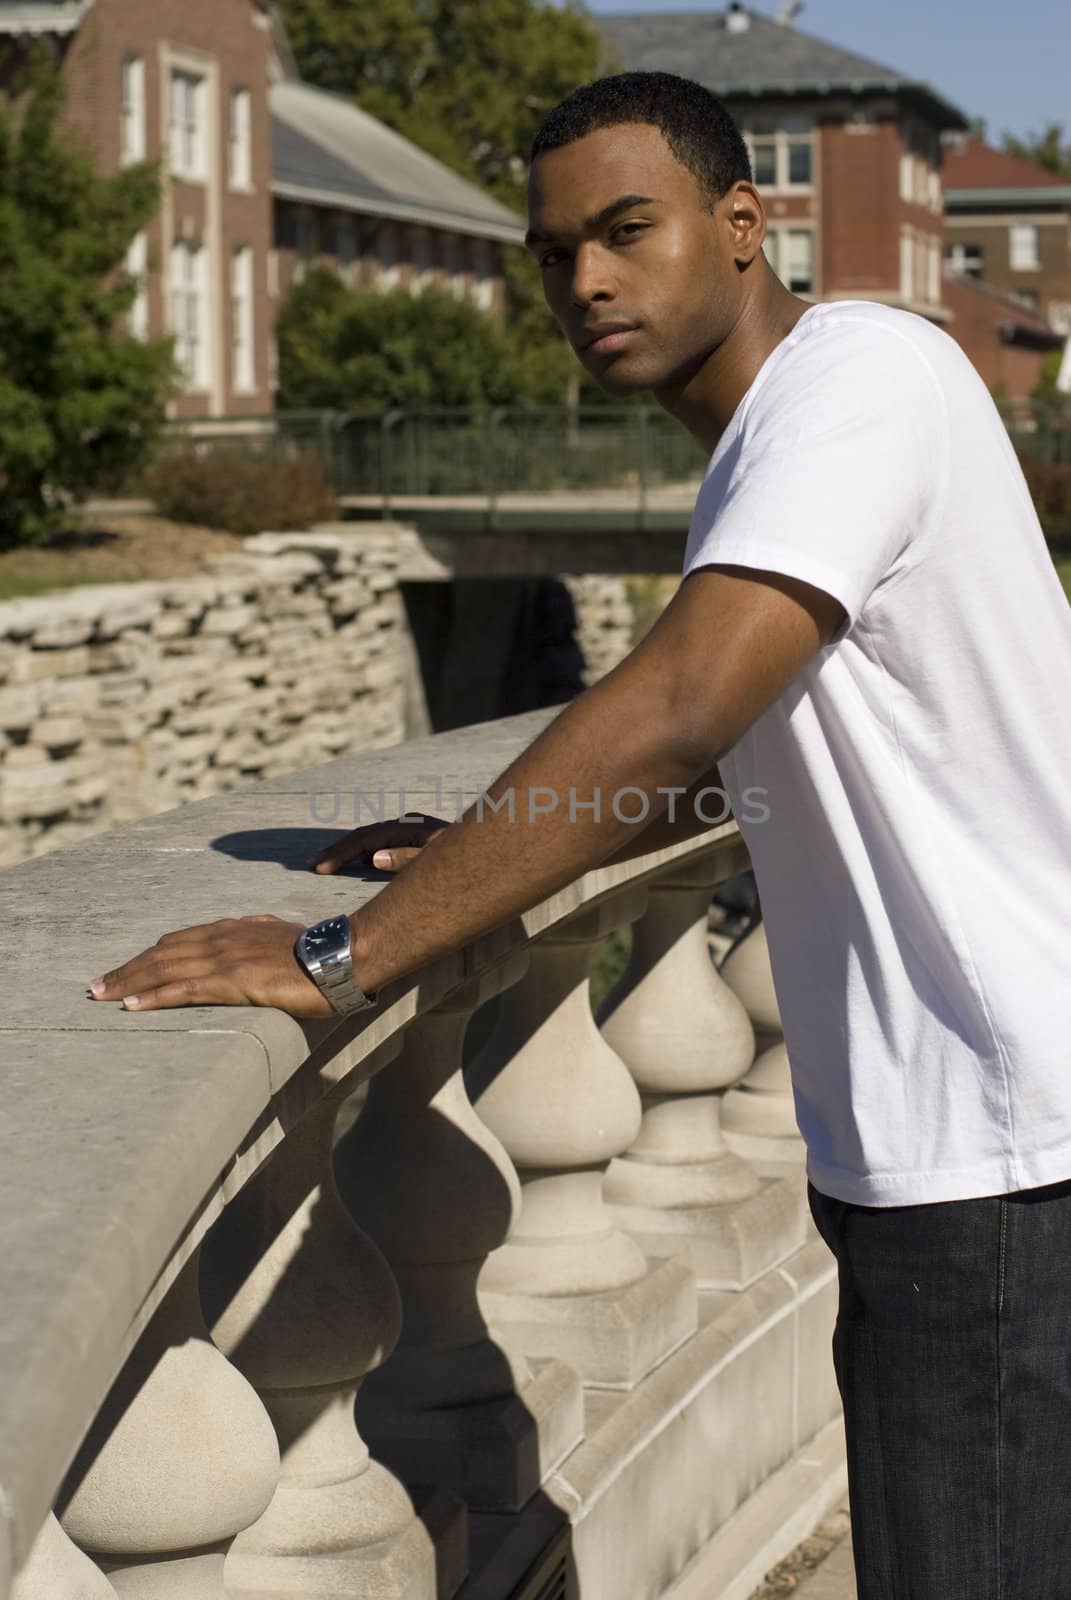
column 97, row 986
column 131, row 1002
column 381, row 858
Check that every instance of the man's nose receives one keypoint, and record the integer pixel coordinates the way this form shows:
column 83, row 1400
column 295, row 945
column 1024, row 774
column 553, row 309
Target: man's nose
column 591, row 276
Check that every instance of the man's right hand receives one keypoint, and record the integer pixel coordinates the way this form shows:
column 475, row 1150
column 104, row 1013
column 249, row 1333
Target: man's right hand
column 385, row 845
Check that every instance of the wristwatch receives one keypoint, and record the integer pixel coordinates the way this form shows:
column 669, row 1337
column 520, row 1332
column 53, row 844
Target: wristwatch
column 324, row 951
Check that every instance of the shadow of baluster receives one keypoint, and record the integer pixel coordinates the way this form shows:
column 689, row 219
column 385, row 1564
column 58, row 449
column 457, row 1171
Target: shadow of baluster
column 454, row 1404
column 305, row 1305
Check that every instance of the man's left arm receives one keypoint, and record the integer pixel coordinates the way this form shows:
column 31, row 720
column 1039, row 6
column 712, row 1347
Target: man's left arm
column 726, row 647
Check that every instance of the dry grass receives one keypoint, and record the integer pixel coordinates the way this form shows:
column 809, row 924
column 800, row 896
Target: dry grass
column 114, row 550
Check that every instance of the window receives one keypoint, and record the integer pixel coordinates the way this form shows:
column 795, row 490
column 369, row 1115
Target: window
column 799, row 161
column 420, row 255
column 187, row 116
column 485, row 277
column 242, row 320
column 137, row 264
column 934, row 260
column 189, row 313
column 790, row 252
column 305, row 243
column 968, row 258
column 455, row 253
column 906, row 170
column 907, row 264
column 132, row 136
column 241, row 140
column 1024, row 247
column 765, row 163
column 387, row 254
column 346, row 248
column 782, row 152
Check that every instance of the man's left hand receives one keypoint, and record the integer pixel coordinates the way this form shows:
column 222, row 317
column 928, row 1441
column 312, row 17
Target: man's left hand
column 239, row 961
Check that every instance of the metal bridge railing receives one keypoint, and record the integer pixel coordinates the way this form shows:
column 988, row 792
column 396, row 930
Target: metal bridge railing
column 452, row 452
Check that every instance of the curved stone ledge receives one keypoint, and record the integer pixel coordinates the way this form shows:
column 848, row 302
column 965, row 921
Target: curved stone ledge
column 123, row 1136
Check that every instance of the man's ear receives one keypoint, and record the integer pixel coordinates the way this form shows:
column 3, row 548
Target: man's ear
column 746, row 220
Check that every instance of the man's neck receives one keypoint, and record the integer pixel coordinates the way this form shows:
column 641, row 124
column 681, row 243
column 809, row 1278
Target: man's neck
column 706, row 401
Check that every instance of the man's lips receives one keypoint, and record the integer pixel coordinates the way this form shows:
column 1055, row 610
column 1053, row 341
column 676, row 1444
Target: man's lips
column 610, row 337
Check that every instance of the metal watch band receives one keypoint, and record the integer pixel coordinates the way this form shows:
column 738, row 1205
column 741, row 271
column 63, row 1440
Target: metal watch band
column 324, row 951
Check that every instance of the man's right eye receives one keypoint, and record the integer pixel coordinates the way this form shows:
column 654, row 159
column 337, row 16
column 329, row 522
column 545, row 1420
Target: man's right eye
column 551, row 258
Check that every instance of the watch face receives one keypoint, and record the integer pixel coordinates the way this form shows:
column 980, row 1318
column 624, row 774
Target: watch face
column 325, row 938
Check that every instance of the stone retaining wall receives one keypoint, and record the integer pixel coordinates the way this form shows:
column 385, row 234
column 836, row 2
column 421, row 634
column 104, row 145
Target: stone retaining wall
column 119, row 701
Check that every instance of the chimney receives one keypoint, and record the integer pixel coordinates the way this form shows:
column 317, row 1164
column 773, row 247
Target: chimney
column 737, row 19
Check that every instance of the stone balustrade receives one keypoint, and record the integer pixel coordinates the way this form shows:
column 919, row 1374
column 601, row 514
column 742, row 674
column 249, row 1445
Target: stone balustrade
column 471, row 1295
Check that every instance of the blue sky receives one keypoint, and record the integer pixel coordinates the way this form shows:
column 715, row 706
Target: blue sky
column 1008, row 63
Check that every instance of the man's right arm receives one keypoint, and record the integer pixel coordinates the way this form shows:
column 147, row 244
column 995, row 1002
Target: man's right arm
column 692, row 814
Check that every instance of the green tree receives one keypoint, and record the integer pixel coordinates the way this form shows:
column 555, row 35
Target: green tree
column 468, row 82
column 343, row 350
column 1048, row 149
column 80, row 398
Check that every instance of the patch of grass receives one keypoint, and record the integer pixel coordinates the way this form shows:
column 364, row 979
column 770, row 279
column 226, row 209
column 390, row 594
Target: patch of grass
column 608, row 963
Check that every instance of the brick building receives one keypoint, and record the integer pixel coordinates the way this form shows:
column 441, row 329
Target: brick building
column 846, row 152
column 1009, row 222
column 263, row 176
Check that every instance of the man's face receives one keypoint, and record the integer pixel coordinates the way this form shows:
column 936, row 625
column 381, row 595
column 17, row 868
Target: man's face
column 637, row 267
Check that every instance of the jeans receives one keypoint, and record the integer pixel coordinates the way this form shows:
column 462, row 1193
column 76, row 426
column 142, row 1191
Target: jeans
column 952, row 1351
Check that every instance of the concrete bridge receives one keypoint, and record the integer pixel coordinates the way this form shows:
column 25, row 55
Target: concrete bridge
column 473, row 1296
column 505, row 491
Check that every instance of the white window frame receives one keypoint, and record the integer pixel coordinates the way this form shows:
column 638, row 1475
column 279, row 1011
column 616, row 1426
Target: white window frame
column 137, row 265
column 966, row 258
column 1023, row 247
column 778, row 247
column 244, row 371
column 240, row 140
column 188, row 301
column 782, row 134
column 132, row 136
column 187, row 104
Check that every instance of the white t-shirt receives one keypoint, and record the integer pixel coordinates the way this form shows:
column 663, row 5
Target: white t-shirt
column 915, row 868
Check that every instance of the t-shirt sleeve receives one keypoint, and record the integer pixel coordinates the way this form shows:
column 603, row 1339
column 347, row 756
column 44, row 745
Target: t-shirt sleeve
column 834, row 471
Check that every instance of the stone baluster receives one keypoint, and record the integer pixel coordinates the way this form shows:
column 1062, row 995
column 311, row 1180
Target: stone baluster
column 569, row 1282
column 686, row 1038
column 305, row 1305
column 180, row 1458
column 57, row 1570
column 759, row 1114
column 454, row 1405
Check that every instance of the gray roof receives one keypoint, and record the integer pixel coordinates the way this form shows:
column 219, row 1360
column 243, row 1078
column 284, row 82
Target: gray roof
column 763, row 58
column 327, row 151
column 42, row 16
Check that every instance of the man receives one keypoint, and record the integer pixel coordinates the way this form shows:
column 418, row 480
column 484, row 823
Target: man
column 869, row 629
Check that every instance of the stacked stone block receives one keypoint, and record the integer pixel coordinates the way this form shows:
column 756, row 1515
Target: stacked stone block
column 120, row 701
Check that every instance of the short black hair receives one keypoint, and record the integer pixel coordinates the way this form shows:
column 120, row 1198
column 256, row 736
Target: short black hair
column 694, row 123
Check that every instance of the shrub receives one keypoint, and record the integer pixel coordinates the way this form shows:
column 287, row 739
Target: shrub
column 1050, row 485
column 240, row 493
